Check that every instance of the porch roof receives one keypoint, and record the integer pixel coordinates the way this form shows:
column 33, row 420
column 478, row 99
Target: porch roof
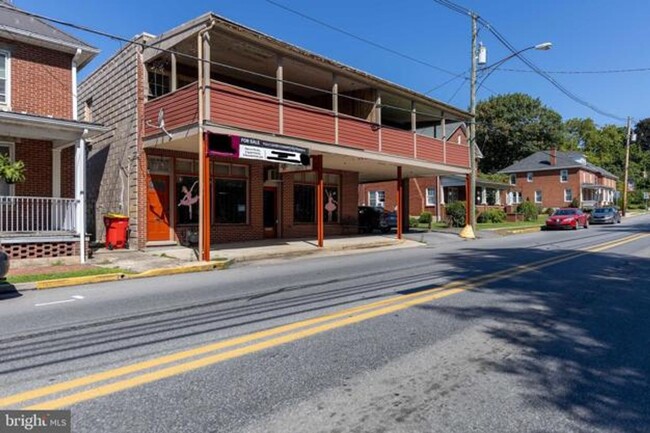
column 371, row 166
column 596, row 186
column 59, row 131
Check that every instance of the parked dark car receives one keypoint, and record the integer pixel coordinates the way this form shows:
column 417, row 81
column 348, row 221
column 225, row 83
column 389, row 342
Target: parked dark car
column 605, row 215
column 391, row 220
column 568, row 218
column 371, row 219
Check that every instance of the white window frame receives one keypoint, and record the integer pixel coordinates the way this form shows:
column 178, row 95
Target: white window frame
column 562, row 175
column 529, row 176
column 541, row 196
column 426, row 192
column 513, row 179
column 12, row 157
column 514, row 197
column 570, row 197
column 375, row 195
column 7, row 103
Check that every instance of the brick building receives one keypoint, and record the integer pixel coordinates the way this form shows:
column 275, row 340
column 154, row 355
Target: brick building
column 554, row 179
column 44, row 215
column 225, row 134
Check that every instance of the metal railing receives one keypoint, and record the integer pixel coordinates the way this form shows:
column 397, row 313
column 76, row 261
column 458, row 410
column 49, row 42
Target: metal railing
column 37, row 215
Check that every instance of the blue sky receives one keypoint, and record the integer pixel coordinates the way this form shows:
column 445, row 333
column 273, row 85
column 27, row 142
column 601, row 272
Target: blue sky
column 586, row 36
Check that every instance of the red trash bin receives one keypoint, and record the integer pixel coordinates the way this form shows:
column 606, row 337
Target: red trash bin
column 117, row 230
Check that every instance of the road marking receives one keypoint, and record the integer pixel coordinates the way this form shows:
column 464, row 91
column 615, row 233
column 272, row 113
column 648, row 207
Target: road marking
column 54, row 302
column 77, row 297
column 356, row 315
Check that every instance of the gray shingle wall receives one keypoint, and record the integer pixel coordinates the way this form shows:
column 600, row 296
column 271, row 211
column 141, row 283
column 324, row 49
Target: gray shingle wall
column 112, row 165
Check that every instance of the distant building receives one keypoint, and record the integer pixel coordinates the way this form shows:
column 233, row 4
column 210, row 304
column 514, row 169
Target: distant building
column 554, row 179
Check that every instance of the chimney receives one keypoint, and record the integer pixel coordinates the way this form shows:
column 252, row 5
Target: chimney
column 553, row 156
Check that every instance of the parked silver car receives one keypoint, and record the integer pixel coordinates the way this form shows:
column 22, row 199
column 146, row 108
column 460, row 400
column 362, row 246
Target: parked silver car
column 605, row 215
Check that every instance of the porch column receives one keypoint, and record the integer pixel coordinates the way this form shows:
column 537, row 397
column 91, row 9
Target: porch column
column 279, row 92
column 174, row 78
column 378, row 118
column 207, row 113
column 400, row 204
column 438, row 198
column 320, row 200
column 80, row 195
column 497, row 197
column 444, row 139
column 483, row 195
column 414, row 127
column 203, row 159
column 56, row 173
column 335, row 106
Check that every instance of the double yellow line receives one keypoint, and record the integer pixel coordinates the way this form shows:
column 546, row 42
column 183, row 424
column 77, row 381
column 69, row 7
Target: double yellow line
column 181, row 362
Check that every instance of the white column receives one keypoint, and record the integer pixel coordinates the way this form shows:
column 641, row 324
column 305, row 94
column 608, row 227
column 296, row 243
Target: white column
column 483, row 195
column 80, row 195
column 174, row 77
column 207, row 112
column 75, row 109
column 497, row 198
column 442, row 192
column 279, row 89
column 335, row 106
column 56, row 173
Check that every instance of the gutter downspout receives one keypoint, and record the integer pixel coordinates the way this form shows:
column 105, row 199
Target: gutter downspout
column 75, row 102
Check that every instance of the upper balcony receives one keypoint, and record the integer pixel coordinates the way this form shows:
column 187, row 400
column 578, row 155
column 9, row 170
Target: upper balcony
column 257, row 85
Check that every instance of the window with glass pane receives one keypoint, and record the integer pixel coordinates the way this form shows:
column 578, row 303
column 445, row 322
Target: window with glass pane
column 158, row 84
column 187, row 166
column 568, row 195
column 304, row 203
column 331, row 206
column 538, row 196
column 4, row 73
column 187, row 196
column 230, row 201
column 431, row 196
column 564, row 175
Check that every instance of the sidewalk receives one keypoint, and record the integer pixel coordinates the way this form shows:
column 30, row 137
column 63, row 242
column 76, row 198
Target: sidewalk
column 127, row 264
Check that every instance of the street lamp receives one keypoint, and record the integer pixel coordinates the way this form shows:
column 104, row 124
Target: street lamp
column 470, row 216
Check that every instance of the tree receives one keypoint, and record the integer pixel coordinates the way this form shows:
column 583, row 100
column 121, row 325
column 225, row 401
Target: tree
column 642, row 131
column 512, row 126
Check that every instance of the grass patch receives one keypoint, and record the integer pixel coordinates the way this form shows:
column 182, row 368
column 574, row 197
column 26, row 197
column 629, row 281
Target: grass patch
column 16, row 279
column 513, row 225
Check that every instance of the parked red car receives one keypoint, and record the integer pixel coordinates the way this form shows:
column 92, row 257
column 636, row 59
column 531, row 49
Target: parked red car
column 568, row 218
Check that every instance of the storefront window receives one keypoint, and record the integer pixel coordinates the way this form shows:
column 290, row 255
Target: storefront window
column 304, row 203
column 304, row 197
column 187, row 193
column 230, row 201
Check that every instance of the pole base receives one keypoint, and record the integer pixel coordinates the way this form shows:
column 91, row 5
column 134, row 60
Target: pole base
column 467, row 232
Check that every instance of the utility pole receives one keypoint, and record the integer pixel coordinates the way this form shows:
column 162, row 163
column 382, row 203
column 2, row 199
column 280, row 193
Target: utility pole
column 471, row 202
column 627, row 165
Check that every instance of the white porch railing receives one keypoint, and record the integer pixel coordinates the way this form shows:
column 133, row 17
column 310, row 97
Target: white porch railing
column 38, row 215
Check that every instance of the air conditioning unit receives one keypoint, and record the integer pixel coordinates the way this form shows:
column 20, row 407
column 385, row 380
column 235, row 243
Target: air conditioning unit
column 272, row 174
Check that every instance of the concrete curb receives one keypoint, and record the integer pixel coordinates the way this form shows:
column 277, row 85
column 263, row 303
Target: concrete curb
column 507, row 232
column 104, row 278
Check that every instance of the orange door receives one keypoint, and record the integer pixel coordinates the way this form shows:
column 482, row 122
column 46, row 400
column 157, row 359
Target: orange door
column 158, row 208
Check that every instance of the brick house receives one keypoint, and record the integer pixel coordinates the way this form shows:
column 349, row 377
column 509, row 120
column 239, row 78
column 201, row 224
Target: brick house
column 554, row 179
column 432, row 193
column 44, row 215
column 226, row 134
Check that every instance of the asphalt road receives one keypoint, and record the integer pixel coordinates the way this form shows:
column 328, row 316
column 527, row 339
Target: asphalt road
column 543, row 332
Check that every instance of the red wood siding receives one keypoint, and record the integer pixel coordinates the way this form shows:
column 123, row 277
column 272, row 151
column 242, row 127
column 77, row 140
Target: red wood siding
column 397, row 142
column 243, row 108
column 457, row 154
column 358, row 133
column 308, row 122
column 430, row 149
column 181, row 108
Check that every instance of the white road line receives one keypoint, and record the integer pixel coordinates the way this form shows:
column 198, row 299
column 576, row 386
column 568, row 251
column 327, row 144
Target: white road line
column 77, row 297
column 54, row 302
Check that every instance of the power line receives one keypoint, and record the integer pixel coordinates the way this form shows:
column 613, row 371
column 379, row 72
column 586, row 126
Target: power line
column 486, row 24
column 604, row 71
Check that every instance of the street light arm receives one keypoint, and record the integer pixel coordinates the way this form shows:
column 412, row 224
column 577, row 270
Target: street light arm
column 543, row 46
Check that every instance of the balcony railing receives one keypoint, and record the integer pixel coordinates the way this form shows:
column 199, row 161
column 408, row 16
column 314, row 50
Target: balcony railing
column 41, row 215
column 247, row 109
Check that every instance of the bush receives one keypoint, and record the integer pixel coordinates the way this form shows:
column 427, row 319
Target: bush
column 575, row 203
column 529, row 210
column 492, row 216
column 456, row 214
column 413, row 221
column 425, row 218
column 549, row 211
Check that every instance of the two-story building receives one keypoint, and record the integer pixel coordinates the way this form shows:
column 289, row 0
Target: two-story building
column 43, row 216
column 554, row 179
column 226, row 134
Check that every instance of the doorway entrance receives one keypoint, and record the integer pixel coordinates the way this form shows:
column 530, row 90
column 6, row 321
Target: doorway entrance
column 270, row 212
column 158, row 208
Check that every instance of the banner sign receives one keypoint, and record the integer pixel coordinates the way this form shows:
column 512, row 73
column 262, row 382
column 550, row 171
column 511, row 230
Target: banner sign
column 252, row 148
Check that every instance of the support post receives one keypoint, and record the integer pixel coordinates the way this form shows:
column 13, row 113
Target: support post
column 174, row 77
column 414, row 127
column 320, row 200
column 378, row 118
column 56, row 173
column 471, row 203
column 279, row 93
column 206, row 76
column 204, row 162
column 80, row 196
column 335, row 106
column 400, row 205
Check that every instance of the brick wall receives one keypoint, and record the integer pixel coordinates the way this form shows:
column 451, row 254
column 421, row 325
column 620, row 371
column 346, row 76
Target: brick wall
column 416, row 196
column 41, row 80
column 37, row 156
column 549, row 183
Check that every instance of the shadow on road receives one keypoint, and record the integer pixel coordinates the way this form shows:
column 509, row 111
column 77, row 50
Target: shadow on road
column 580, row 329
column 8, row 291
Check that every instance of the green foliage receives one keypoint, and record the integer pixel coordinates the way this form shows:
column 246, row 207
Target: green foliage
column 529, row 210
column 456, row 214
column 425, row 218
column 575, row 203
column 512, row 126
column 11, row 172
column 495, row 177
column 492, row 216
column 549, row 211
column 413, row 221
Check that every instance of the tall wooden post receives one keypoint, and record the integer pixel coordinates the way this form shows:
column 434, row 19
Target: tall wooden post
column 400, row 205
